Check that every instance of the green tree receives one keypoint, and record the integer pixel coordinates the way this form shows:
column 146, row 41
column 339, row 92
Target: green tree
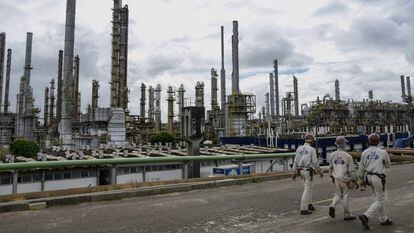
column 24, row 148
column 163, row 137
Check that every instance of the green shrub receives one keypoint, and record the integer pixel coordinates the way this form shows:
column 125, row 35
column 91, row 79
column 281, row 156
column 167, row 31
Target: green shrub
column 24, row 148
column 163, row 137
column 3, row 152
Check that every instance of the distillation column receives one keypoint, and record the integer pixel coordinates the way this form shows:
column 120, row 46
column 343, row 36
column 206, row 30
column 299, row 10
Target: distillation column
column 337, row 93
column 222, row 72
column 276, row 73
column 402, row 88
column 7, row 88
column 370, row 95
column 235, row 58
column 158, row 108
column 59, row 88
column 408, row 88
column 170, row 101
column 267, row 102
column 272, row 95
column 95, row 94
column 199, row 94
column 296, row 95
column 142, row 102
column 46, row 108
column 151, row 103
column 67, row 87
column 214, row 89
column 76, row 93
column 52, row 101
column 123, row 58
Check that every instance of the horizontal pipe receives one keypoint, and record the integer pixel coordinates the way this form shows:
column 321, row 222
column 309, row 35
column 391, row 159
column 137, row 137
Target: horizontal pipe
column 145, row 160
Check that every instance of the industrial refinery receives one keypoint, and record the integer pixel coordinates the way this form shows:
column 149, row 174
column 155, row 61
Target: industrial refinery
column 236, row 123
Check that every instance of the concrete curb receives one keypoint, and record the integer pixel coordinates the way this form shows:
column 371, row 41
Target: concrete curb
column 129, row 193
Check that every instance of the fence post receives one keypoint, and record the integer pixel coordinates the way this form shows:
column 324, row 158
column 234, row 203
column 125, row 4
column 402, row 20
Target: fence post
column 15, row 177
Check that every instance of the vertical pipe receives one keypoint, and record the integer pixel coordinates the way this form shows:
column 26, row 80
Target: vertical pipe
column 214, row 89
column 52, row 101
column 235, row 56
column 67, row 95
column 46, row 108
column 2, row 51
column 59, row 87
column 402, row 88
column 272, row 95
column 95, row 94
column 142, row 104
column 8, row 69
column 267, row 105
column 222, row 72
column 170, row 101
column 296, row 95
column 276, row 73
column 337, row 93
column 151, row 103
column 180, row 103
column 408, row 86
column 76, row 94
column 158, row 108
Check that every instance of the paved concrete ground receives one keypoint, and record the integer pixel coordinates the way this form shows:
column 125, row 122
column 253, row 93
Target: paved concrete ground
column 258, row 207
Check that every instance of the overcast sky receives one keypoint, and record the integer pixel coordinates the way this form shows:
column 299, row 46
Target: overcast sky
column 365, row 44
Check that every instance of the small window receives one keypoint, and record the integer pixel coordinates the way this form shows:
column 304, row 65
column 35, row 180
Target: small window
column 75, row 174
column 48, row 176
column 27, row 179
column 126, row 170
column 133, row 170
column 57, row 176
column 37, row 178
column 84, row 174
column 6, row 180
column 67, row 175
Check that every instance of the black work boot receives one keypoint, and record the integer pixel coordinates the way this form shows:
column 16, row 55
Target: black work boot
column 305, row 212
column 348, row 218
column 332, row 212
column 387, row 223
column 364, row 221
column 311, row 207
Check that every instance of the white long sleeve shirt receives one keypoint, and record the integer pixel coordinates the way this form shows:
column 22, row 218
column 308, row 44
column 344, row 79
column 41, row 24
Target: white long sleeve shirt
column 373, row 159
column 306, row 158
column 341, row 166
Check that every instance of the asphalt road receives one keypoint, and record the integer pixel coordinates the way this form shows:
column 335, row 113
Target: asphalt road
column 258, row 207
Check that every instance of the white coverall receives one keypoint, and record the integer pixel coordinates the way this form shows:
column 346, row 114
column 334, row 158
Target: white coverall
column 305, row 160
column 375, row 160
column 342, row 169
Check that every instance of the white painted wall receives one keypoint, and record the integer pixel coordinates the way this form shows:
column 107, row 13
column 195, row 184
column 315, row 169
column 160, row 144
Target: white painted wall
column 29, row 187
column 6, row 189
column 68, row 184
column 129, row 178
column 164, row 175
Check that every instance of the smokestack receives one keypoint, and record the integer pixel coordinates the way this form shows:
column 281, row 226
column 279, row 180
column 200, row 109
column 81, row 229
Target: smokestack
column 76, row 94
column 267, row 102
column 158, row 108
column 59, row 87
column 272, row 95
column 402, row 88
column 199, row 94
column 408, row 87
column 67, row 95
column 46, row 108
column 296, row 95
column 52, row 101
column 222, row 72
column 123, row 57
column 6, row 94
column 151, row 103
column 235, row 58
column 142, row 105
column 170, row 101
column 95, row 94
column 276, row 73
column 214, row 89
column 370, row 95
column 2, row 51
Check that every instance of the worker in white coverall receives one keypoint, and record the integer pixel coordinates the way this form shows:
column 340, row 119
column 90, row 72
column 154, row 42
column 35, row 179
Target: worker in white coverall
column 344, row 176
column 371, row 172
column 305, row 165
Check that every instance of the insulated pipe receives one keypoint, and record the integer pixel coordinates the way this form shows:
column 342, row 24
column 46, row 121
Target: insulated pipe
column 6, row 93
column 67, row 95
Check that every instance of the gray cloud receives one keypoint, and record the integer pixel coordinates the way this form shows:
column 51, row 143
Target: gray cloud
column 334, row 7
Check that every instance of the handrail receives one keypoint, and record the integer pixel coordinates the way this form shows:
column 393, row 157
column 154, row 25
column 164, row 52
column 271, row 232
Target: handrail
column 142, row 160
